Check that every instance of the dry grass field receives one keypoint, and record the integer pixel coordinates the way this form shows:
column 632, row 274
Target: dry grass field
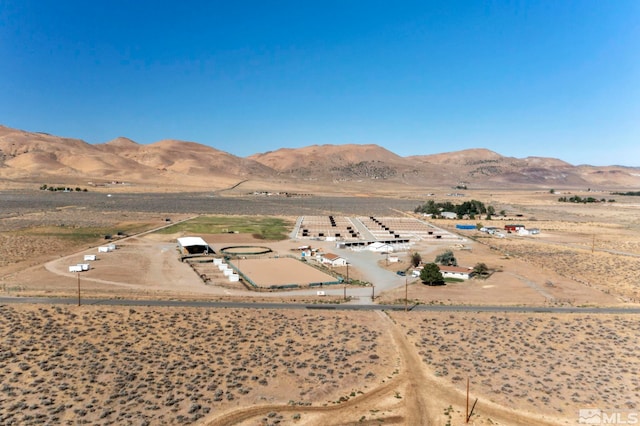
column 115, row 365
column 544, row 364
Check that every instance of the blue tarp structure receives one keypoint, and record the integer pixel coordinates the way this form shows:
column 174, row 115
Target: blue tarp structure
column 465, row 227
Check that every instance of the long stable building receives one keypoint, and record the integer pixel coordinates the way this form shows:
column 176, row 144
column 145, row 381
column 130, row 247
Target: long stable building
column 362, row 231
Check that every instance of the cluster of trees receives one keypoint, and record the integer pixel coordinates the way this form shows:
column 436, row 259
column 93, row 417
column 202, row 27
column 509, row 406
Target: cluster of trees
column 631, row 193
column 578, row 199
column 46, row 187
column 471, row 209
column 431, row 274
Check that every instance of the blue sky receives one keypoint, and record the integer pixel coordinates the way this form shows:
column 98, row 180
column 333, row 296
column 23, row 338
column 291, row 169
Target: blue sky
column 522, row 78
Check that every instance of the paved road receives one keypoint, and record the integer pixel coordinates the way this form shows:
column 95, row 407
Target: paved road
column 320, row 306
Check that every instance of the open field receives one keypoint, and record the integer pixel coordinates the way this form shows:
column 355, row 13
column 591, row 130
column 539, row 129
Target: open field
column 117, row 366
column 543, row 364
column 168, row 365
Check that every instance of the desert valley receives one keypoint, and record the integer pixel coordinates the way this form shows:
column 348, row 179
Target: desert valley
column 149, row 334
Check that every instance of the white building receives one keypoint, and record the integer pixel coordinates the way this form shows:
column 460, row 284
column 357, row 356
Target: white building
column 448, row 215
column 333, row 260
column 456, row 272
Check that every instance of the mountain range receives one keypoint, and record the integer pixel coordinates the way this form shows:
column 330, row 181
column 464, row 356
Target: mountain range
column 32, row 157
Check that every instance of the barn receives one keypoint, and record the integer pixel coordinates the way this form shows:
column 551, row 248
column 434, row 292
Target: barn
column 513, row 227
column 193, row 245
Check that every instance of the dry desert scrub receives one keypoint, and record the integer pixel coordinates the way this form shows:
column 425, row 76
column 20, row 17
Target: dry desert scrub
column 32, row 236
column 541, row 363
column 613, row 273
column 115, row 365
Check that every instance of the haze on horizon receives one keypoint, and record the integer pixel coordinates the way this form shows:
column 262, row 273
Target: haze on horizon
column 550, row 79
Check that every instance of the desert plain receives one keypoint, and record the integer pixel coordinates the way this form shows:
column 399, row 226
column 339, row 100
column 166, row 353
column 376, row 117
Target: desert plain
column 289, row 364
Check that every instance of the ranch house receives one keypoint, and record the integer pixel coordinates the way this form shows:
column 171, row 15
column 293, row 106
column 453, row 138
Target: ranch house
column 456, row 272
column 333, row 260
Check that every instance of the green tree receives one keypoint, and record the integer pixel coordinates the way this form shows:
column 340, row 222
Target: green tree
column 446, row 258
column 430, row 207
column 481, row 269
column 490, row 212
column 416, row 259
column 431, row 275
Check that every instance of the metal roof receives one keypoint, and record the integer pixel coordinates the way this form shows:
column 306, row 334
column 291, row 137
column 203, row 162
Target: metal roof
column 192, row 241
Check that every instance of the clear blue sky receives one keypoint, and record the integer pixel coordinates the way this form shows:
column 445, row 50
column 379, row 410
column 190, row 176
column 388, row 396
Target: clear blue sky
column 523, row 78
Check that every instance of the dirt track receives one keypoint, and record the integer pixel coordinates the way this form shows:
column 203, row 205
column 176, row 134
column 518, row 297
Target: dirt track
column 423, row 401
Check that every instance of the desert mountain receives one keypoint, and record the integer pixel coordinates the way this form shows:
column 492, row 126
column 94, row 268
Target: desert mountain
column 335, row 162
column 184, row 158
column 40, row 157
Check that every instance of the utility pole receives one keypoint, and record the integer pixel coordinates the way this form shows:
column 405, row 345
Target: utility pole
column 78, row 288
column 406, row 293
column 373, row 292
column 467, row 416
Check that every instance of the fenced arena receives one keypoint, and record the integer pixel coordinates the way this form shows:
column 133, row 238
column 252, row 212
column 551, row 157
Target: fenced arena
column 280, row 273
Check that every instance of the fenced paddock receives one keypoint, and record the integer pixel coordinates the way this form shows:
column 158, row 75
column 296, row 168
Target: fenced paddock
column 281, row 272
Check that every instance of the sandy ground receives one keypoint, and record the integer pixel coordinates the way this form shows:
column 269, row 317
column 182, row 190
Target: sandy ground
column 552, row 365
column 117, row 365
column 170, row 366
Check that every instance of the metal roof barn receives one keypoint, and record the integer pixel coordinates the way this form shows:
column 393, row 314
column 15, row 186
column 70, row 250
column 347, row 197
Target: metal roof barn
column 193, row 245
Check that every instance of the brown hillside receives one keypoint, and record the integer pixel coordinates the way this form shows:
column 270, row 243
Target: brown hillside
column 464, row 157
column 325, row 156
column 362, row 169
column 185, row 158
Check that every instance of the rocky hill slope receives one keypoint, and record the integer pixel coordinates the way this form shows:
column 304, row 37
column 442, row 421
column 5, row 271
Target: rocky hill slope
column 40, row 157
